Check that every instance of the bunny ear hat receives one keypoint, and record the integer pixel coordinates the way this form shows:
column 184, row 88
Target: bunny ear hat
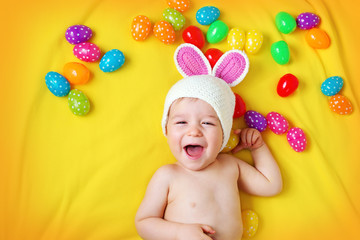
column 210, row 85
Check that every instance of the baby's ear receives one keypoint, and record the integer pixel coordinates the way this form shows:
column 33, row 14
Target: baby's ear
column 191, row 61
column 232, row 67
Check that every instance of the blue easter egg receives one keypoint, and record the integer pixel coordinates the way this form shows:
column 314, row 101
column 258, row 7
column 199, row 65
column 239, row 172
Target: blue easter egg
column 57, row 84
column 332, row 85
column 207, row 15
column 112, row 60
column 255, row 120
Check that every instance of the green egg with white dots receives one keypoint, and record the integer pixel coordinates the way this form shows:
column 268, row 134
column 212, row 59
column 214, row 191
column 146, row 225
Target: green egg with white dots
column 79, row 104
column 175, row 18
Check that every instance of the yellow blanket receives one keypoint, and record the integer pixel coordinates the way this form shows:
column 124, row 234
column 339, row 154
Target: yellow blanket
column 64, row 177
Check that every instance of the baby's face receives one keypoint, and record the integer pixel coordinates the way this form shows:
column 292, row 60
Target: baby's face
column 194, row 133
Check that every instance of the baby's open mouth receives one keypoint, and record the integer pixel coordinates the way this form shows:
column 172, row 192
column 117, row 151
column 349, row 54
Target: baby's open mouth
column 194, row 151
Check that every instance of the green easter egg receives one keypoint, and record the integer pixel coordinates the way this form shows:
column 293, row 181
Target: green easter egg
column 174, row 17
column 217, row 32
column 78, row 102
column 285, row 22
column 280, row 52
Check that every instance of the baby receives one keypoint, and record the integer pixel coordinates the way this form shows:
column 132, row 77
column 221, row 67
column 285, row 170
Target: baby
column 198, row 196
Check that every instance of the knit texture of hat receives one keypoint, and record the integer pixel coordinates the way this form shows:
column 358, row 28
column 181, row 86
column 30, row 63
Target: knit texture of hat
column 210, row 89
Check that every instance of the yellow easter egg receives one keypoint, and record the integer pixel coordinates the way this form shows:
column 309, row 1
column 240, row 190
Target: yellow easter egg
column 250, row 223
column 254, row 41
column 236, row 39
column 232, row 143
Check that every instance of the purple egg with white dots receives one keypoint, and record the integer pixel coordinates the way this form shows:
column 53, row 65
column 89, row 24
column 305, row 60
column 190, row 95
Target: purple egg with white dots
column 78, row 34
column 297, row 139
column 255, row 120
column 307, row 20
column 87, row 52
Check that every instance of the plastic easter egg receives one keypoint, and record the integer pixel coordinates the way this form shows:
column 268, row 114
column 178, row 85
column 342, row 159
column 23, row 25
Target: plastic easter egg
column 112, row 60
column 317, row 38
column 236, row 39
column 175, row 18
column 332, row 85
column 76, row 73
column 213, row 55
column 280, row 52
column 87, row 52
column 79, row 104
column 254, row 41
column 285, row 23
column 207, row 15
column 255, row 120
column 277, row 123
column 340, row 104
column 194, row 35
column 240, row 106
column 250, row 223
column 232, row 142
column 140, row 28
column 164, row 32
column 180, row 5
column 287, row 85
column 297, row 139
column 217, row 32
column 78, row 34
column 307, row 20
column 57, row 84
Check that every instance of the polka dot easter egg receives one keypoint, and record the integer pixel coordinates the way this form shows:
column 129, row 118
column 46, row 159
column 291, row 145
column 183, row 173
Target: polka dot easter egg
column 78, row 33
column 255, row 120
column 78, row 103
column 175, row 18
column 297, row 139
column 164, row 32
column 57, row 84
column 140, row 28
column 232, row 142
column 236, row 39
column 254, row 41
column 332, row 85
column 340, row 104
column 76, row 73
column 112, row 60
column 207, row 15
column 250, row 223
column 87, row 52
column 277, row 123
column 180, row 5
column 307, row 20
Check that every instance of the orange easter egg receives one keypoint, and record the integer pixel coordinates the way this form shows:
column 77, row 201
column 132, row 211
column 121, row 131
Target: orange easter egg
column 340, row 104
column 76, row 73
column 180, row 5
column 140, row 28
column 317, row 38
column 164, row 32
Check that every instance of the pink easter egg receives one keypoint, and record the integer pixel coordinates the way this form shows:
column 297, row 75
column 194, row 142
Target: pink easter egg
column 87, row 52
column 297, row 139
column 277, row 123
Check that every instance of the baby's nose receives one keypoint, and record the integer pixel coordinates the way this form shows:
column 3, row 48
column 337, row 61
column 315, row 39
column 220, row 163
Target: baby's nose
column 195, row 131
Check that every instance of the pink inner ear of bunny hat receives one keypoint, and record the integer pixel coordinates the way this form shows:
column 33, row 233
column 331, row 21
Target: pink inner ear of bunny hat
column 231, row 68
column 190, row 62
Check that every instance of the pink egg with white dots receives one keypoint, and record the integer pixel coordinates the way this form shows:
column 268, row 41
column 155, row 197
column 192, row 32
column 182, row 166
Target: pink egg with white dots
column 87, row 52
column 277, row 123
column 297, row 139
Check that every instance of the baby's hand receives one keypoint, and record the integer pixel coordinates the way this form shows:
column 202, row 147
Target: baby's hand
column 250, row 138
column 195, row 231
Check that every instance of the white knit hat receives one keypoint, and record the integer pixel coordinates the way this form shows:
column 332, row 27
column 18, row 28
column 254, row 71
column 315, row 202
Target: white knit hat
column 209, row 85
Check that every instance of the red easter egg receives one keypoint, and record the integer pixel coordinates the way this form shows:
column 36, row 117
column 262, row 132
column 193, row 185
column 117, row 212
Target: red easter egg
column 213, row 55
column 87, row 52
column 164, row 32
column 180, row 5
column 140, row 28
column 340, row 104
column 287, row 85
column 240, row 106
column 194, row 35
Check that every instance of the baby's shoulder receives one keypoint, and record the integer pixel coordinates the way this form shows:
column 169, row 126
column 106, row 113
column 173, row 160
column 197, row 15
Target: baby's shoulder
column 166, row 171
column 227, row 159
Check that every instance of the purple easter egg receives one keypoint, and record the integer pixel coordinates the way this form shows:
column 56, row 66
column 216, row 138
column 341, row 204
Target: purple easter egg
column 307, row 20
column 255, row 120
column 78, row 34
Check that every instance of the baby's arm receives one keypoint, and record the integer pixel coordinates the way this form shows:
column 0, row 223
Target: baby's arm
column 264, row 178
column 149, row 220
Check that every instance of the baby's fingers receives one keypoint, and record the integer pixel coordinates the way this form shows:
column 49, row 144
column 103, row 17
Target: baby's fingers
column 207, row 229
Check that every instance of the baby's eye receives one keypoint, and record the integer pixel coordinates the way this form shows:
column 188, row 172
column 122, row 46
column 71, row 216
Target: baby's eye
column 208, row 123
column 180, row 122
